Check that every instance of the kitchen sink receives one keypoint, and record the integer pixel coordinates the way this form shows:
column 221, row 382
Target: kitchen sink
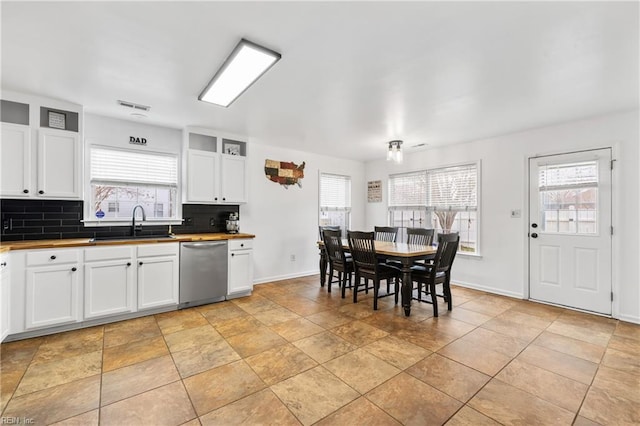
column 132, row 238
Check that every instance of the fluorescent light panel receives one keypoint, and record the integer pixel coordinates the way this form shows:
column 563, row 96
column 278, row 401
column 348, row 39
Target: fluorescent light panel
column 243, row 67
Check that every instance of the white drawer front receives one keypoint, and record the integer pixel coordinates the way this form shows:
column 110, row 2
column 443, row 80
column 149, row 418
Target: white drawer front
column 108, row 253
column 159, row 249
column 52, row 257
column 240, row 244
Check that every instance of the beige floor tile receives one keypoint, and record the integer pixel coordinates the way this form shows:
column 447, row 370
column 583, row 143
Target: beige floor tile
column 137, row 351
column 613, row 380
column 512, row 329
column 220, row 386
column 168, row 405
column 570, row 346
column 583, row 421
column 237, row 325
column 623, row 344
column 329, row 319
column 525, row 319
column 170, row 322
column 582, row 319
column 253, row 305
column 488, row 305
column 15, row 358
column 297, row 329
column 359, row 333
column 280, row 363
column 54, row 373
column 628, row 330
column 485, row 360
column 448, row 325
column 609, row 407
column 199, row 358
column 89, row 418
column 58, row 403
column 511, row 406
column 261, row 408
column 324, row 346
column 255, row 341
column 574, row 368
column 506, row 345
column 361, row 370
column 467, row 416
column 581, row 332
column 413, row 402
column 540, row 310
column 70, row 344
column 450, row 377
column 275, row 316
column 622, row 361
column 192, row 337
column 360, row 310
column 138, row 378
column 225, row 313
column 551, row 387
column 359, row 412
column 397, row 352
column 123, row 332
column 468, row 316
column 314, row 394
column 425, row 338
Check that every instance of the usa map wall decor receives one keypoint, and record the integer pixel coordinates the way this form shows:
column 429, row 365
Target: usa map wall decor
column 285, row 173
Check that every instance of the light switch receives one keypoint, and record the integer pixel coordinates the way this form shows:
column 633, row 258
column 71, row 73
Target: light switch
column 515, row 213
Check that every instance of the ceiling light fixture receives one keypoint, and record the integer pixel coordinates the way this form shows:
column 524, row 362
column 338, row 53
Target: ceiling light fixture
column 241, row 69
column 395, row 151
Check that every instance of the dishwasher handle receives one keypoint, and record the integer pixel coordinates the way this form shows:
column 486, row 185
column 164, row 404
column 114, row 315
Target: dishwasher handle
column 205, row 244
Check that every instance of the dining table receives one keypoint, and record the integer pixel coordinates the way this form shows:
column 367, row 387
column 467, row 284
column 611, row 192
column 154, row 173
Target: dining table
column 405, row 254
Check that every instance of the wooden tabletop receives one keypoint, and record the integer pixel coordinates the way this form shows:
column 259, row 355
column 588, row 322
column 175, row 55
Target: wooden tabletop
column 396, row 249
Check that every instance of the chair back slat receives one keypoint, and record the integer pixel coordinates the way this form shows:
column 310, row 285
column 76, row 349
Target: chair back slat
column 386, row 233
column 447, row 249
column 321, row 229
column 363, row 251
column 333, row 245
column 420, row 236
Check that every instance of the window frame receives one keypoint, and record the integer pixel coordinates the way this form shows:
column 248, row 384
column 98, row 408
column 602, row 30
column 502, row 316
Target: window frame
column 346, row 209
column 89, row 218
column 430, row 211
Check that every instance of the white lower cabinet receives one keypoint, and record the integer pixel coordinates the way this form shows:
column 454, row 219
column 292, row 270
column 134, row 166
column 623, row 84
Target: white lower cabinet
column 109, row 281
column 52, row 288
column 158, row 275
column 5, row 286
column 240, row 267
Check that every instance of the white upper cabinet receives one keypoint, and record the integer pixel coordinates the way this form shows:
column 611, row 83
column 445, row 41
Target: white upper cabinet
column 215, row 171
column 40, row 149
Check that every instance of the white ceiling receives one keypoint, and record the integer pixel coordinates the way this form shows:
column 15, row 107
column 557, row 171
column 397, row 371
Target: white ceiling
column 353, row 75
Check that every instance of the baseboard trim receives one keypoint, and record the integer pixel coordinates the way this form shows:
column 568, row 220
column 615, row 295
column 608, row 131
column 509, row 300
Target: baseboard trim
column 491, row 290
column 629, row 318
column 285, row 277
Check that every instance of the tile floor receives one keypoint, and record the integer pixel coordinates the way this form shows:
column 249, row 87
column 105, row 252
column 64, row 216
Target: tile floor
column 294, row 354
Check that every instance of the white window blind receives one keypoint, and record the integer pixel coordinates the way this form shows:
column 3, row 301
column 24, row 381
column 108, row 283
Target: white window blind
column 113, row 165
column 408, row 191
column 453, row 188
column 568, row 176
column 335, row 192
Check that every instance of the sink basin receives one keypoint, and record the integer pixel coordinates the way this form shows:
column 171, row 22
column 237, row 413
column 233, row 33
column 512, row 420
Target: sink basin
column 132, row 238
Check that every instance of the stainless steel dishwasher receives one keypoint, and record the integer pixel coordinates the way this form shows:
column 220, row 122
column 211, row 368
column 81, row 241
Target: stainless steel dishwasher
column 203, row 273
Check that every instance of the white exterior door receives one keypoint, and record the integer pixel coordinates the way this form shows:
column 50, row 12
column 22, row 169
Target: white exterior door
column 570, row 230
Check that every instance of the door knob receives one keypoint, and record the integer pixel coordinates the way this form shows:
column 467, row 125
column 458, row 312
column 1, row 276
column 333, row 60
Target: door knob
column 534, row 235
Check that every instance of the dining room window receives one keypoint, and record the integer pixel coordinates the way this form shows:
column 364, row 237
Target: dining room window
column 120, row 179
column 335, row 201
column 445, row 199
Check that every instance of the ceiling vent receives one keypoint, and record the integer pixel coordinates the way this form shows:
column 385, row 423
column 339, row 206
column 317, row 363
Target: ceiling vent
column 136, row 107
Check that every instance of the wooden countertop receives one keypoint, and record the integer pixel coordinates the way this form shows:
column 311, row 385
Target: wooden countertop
column 84, row 242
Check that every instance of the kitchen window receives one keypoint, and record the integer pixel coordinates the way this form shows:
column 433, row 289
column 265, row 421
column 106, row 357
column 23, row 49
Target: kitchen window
column 121, row 179
column 445, row 199
column 335, row 201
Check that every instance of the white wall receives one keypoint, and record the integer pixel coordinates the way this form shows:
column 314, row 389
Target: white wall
column 285, row 220
column 502, row 267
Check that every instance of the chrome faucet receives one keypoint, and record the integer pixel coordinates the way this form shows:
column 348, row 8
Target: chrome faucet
column 133, row 219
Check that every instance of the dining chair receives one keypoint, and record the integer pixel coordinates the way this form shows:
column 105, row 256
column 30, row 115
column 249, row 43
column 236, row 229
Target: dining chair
column 386, row 233
column 420, row 236
column 338, row 261
column 324, row 258
column 439, row 272
column 367, row 266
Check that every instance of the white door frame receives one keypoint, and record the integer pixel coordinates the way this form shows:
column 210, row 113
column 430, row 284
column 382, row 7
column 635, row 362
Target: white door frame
column 614, row 220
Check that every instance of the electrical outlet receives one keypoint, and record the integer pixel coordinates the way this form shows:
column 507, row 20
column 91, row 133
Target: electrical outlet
column 515, row 213
column 293, row 257
column 212, row 221
column 188, row 221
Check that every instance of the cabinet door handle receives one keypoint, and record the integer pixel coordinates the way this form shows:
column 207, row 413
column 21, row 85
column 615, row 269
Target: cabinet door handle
column 128, row 263
column 53, row 257
column 41, row 192
column 224, row 199
column 74, row 269
column 140, row 263
column 3, row 264
column 241, row 245
column 215, row 199
column 26, row 191
column 233, row 254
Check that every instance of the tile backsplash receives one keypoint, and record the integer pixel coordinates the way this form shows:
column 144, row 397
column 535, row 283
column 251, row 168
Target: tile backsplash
column 57, row 219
